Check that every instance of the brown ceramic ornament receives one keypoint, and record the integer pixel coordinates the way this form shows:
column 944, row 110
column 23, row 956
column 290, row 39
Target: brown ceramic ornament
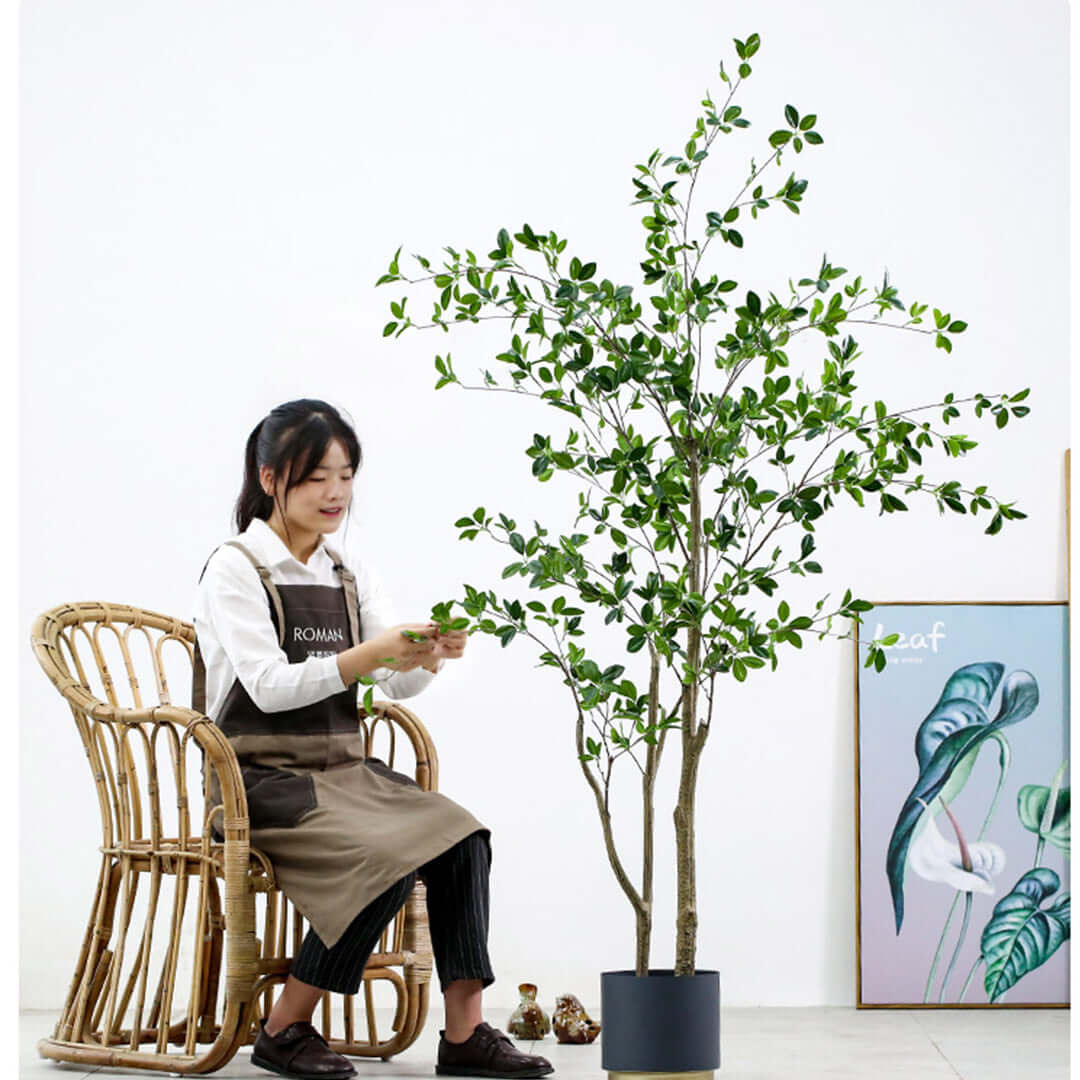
column 528, row 1020
column 571, row 1022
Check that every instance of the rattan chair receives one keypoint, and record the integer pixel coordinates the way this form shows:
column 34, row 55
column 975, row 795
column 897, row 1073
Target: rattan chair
column 162, row 983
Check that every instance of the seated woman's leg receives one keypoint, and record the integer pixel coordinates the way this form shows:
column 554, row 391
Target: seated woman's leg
column 339, row 969
column 458, row 902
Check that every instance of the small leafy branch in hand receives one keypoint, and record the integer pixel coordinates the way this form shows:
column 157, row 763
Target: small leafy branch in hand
column 681, row 395
column 446, row 622
column 440, row 614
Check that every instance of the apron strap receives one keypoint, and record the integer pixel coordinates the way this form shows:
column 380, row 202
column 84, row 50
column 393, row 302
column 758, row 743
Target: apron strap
column 275, row 597
column 264, row 574
column 198, row 681
column 348, row 583
column 198, row 671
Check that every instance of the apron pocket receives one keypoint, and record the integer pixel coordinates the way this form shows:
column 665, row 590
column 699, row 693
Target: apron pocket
column 277, row 798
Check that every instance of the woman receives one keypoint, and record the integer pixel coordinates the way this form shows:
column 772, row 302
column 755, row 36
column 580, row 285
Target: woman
column 283, row 630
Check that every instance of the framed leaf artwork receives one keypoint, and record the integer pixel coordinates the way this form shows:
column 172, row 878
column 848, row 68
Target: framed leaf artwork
column 962, row 806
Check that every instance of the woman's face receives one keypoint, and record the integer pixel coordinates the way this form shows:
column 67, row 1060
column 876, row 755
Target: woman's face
column 329, row 487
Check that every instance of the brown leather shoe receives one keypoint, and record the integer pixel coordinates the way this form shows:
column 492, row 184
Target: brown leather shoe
column 299, row 1051
column 488, row 1052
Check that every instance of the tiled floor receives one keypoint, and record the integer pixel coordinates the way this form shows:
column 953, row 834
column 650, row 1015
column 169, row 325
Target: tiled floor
column 756, row 1044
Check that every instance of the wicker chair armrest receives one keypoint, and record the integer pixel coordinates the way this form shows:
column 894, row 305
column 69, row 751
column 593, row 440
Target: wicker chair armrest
column 218, row 751
column 203, row 730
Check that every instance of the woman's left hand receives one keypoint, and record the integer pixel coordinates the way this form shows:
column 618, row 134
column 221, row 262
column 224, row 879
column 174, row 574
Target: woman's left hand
column 451, row 644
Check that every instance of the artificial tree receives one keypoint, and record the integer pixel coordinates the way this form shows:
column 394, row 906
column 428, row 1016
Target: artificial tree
column 601, row 355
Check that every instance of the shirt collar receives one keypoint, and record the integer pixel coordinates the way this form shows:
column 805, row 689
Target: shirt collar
column 273, row 547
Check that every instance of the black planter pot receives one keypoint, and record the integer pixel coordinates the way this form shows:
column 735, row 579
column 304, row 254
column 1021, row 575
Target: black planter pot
column 660, row 1022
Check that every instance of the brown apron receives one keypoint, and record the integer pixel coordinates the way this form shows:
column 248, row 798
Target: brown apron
column 338, row 827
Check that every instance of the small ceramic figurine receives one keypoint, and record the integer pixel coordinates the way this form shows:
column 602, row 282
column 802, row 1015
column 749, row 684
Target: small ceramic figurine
column 570, row 1021
column 528, row 1020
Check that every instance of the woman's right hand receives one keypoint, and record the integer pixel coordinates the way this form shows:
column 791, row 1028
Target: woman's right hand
column 400, row 653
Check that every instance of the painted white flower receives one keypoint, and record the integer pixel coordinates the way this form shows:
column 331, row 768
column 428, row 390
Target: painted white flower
column 966, row 867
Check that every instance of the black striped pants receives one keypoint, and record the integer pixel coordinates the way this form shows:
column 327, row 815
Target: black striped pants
column 457, row 907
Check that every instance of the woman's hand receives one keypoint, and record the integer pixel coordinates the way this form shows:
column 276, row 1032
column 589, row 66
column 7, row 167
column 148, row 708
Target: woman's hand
column 400, row 653
column 451, row 644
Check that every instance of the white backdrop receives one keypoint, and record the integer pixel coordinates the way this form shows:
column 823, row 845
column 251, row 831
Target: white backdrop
column 210, row 191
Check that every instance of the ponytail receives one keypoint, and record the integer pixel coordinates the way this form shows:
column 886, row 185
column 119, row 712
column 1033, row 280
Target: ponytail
column 253, row 501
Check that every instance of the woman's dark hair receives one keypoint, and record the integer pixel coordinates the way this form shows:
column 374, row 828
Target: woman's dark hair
column 292, row 439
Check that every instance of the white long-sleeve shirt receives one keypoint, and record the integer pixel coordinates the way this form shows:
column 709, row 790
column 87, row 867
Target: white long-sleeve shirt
column 237, row 639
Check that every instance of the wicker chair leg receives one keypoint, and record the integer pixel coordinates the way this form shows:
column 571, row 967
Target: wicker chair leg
column 90, row 942
column 215, row 948
column 92, row 977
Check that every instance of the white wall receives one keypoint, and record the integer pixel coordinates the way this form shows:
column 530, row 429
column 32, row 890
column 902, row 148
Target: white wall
column 209, row 192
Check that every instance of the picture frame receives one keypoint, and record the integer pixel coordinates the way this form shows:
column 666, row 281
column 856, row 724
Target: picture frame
column 962, row 676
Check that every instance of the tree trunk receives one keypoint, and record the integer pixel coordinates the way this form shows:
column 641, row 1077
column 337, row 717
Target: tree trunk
column 686, row 871
column 644, row 938
column 648, row 781
column 686, row 920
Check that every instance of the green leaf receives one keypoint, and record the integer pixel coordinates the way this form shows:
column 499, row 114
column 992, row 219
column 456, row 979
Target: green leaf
column 1031, row 803
column 1021, row 935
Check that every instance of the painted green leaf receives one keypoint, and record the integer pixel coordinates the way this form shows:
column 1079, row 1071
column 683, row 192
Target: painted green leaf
column 1031, row 807
column 946, row 746
column 1019, row 937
